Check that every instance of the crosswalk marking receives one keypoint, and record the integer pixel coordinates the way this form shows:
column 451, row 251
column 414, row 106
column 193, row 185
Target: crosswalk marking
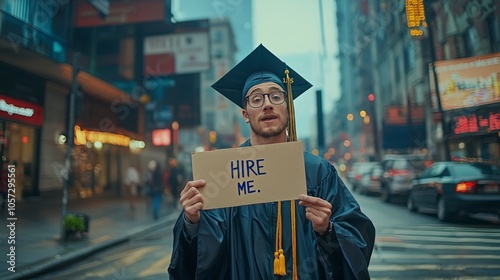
column 422, row 251
column 445, row 239
column 430, row 267
column 438, row 246
column 417, row 232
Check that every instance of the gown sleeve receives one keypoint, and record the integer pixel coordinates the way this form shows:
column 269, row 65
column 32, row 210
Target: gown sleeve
column 192, row 259
column 345, row 250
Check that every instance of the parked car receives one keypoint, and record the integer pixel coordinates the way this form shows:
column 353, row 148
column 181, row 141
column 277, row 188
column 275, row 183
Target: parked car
column 354, row 174
column 369, row 182
column 453, row 188
column 399, row 170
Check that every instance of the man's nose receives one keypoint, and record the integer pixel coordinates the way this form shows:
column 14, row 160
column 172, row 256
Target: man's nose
column 267, row 101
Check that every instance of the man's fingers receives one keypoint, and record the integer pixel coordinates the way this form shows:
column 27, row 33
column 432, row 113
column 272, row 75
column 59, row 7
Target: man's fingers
column 311, row 201
column 193, row 184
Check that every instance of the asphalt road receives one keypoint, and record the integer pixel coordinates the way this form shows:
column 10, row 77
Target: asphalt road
column 409, row 246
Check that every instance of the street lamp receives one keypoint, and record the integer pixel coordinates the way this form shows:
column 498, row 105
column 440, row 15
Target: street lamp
column 175, row 136
column 367, row 120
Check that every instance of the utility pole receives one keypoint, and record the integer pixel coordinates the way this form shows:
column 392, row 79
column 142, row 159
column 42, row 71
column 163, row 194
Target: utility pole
column 436, row 84
column 69, row 141
column 319, row 117
column 418, row 14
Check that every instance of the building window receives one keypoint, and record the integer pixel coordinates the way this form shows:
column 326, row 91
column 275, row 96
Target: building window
column 494, row 32
column 219, row 54
column 209, row 97
column 210, row 120
column 410, row 61
column 19, row 9
column 396, row 68
column 471, row 40
column 218, row 37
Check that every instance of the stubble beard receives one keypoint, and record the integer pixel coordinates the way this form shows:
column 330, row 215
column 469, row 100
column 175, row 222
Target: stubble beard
column 268, row 132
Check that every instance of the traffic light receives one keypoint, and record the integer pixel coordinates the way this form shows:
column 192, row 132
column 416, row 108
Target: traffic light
column 371, row 97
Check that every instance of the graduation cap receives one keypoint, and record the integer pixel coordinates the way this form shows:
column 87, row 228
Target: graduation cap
column 258, row 67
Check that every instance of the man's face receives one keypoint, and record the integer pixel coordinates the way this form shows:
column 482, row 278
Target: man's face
column 269, row 120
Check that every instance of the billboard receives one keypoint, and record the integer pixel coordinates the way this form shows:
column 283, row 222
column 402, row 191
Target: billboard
column 179, row 53
column 484, row 120
column 175, row 100
column 469, row 82
column 401, row 130
column 122, row 12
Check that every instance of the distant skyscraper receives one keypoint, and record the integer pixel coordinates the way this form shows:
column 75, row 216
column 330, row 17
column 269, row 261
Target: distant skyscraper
column 238, row 12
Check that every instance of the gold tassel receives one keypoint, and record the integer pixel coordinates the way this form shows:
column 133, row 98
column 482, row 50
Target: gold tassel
column 279, row 256
column 292, row 136
column 294, row 242
column 277, row 264
column 282, row 268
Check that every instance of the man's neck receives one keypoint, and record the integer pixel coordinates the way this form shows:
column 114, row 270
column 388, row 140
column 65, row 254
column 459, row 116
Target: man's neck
column 258, row 140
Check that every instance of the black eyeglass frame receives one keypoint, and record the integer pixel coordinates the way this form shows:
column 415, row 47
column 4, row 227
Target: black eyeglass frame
column 268, row 97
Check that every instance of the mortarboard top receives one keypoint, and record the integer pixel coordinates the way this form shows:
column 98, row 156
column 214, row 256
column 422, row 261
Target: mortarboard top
column 261, row 59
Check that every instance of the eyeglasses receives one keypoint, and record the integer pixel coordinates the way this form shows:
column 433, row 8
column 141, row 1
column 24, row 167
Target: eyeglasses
column 256, row 100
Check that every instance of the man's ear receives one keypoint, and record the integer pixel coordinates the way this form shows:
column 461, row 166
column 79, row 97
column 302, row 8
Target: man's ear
column 245, row 115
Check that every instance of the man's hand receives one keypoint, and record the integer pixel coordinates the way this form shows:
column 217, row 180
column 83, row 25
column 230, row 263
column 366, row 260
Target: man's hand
column 318, row 211
column 192, row 201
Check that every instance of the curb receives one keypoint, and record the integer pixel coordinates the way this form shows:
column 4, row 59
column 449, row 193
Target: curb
column 86, row 250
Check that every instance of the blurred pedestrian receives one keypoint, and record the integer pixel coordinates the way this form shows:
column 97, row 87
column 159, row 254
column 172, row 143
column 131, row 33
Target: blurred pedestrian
column 3, row 183
column 154, row 186
column 132, row 181
column 175, row 179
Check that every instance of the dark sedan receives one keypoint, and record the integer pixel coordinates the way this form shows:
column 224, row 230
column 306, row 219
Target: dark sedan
column 455, row 188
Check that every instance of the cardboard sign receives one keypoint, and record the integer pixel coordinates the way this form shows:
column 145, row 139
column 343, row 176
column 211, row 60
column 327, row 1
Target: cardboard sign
column 250, row 175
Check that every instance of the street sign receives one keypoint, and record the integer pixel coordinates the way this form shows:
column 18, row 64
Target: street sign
column 102, row 7
column 415, row 17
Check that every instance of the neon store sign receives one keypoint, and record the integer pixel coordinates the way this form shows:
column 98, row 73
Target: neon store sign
column 476, row 123
column 82, row 136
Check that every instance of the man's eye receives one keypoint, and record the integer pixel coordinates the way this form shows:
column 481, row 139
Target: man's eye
column 276, row 97
column 256, row 99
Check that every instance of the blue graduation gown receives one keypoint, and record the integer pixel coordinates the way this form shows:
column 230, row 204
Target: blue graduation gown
column 239, row 242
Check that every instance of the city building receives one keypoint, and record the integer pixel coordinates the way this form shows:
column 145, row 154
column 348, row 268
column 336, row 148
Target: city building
column 453, row 116
column 239, row 15
column 36, row 65
column 220, row 117
column 42, row 43
column 349, row 132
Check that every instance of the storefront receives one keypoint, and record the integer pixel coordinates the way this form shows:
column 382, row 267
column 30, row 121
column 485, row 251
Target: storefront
column 99, row 159
column 20, row 124
column 475, row 133
column 107, row 140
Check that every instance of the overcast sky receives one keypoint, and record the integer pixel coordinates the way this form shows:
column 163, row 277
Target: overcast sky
column 291, row 30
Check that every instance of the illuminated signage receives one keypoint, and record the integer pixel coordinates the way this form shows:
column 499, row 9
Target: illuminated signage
column 84, row 136
column 469, row 82
column 161, row 137
column 415, row 17
column 90, row 13
column 476, row 123
column 21, row 111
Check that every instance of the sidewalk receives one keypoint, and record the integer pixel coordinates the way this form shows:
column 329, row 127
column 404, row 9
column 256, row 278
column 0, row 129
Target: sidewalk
column 38, row 247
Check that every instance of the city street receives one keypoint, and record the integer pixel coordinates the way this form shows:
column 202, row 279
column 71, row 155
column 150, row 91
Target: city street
column 108, row 108
column 409, row 246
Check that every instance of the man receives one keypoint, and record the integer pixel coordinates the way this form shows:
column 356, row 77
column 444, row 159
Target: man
column 332, row 239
